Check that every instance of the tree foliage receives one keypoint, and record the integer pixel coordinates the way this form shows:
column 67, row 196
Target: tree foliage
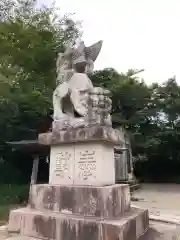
column 151, row 114
column 30, row 39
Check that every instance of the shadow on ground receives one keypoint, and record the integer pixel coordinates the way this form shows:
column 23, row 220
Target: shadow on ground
column 152, row 234
column 162, row 231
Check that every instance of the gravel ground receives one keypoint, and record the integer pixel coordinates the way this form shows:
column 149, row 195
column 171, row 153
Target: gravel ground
column 159, row 198
column 162, row 231
column 163, row 202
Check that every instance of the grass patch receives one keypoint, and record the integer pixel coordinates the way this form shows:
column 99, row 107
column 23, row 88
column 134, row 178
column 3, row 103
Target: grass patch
column 4, row 213
column 11, row 196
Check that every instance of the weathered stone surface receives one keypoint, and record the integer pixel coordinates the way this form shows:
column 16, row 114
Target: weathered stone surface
column 131, row 226
column 48, row 225
column 3, row 232
column 73, row 82
column 102, row 202
column 20, row 238
column 62, row 165
column 156, row 231
column 15, row 222
column 90, row 164
column 94, row 133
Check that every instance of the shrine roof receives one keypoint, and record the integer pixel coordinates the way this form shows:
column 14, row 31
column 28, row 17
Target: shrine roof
column 30, row 146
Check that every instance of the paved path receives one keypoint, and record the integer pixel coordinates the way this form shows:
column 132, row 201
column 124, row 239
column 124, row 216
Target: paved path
column 159, row 198
column 162, row 231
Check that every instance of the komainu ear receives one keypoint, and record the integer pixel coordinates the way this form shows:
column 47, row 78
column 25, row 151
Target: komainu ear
column 93, row 51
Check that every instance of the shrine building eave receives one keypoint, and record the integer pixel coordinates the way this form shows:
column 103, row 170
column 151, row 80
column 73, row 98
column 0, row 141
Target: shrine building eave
column 29, row 146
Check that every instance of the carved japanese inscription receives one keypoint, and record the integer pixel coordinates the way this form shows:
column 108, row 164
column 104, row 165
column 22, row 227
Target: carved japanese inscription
column 87, row 164
column 63, row 164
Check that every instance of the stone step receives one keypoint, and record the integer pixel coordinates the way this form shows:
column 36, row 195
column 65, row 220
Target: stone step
column 21, row 238
column 58, row 226
column 104, row 202
column 3, row 232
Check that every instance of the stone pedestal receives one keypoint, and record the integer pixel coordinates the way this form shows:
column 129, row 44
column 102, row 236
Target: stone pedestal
column 82, row 164
column 83, row 156
column 81, row 200
column 78, row 213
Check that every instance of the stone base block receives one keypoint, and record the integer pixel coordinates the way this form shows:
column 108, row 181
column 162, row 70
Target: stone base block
column 48, row 225
column 82, row 163
column 102, row 202
column 94, row 133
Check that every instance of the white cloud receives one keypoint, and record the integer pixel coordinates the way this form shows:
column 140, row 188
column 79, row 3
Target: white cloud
column 136, row 34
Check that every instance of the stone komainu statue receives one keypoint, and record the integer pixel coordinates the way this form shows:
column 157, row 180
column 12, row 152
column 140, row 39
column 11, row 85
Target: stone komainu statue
column 76, row 102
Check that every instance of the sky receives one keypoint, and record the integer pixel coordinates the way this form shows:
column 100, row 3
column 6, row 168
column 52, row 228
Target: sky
column 140, row 34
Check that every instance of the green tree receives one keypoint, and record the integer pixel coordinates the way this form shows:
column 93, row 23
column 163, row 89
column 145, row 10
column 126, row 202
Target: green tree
column 30, row 39
column 132, row 102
